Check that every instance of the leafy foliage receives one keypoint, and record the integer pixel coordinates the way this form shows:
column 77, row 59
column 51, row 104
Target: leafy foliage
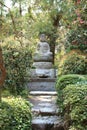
column 76, row 36
column 75, row 105
column 16, row 59
column 72, row 100
column 73, row 63
column 76, row 39
column 15, row 114
column 65, row 80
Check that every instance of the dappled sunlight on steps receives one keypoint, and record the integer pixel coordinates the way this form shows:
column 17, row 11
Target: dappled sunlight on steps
column 45, row 111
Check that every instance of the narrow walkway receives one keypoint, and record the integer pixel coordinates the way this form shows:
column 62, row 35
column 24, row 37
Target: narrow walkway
column 45, row 111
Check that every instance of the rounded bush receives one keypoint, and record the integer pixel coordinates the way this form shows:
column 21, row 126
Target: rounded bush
column 15, row 114
column 65, row 80
column 75, row 106
column 73, row 63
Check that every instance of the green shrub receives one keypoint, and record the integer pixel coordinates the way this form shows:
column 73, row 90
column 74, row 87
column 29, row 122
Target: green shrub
column 75, row 106
column 16, row 59
column 65, row 80
column 77, row 38
column 15, row 114
column 73, row 63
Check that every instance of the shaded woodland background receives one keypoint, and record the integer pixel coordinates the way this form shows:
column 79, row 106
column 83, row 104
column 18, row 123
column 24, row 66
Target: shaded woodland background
column 63, row 21
column 65, row 24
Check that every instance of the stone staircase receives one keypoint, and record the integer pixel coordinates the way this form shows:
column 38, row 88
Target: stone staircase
column 45, row 111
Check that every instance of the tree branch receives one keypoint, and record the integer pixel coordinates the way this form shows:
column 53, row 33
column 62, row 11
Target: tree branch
column 12, row 18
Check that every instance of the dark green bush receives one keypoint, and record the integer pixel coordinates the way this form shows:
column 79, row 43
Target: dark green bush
column 65, row 80
column 73, row 63
column 75, row 106
column 77, row 39
column 15, row 114
column 16, row 59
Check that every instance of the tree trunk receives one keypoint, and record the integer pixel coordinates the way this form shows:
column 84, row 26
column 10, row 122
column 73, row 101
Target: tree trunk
column 54, row 36
column 52, row 47
column 3, row 72
column 20, row 9
column 0, row 93
column 1, row 14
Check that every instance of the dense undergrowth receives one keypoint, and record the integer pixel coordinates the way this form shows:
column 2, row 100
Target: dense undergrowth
column 17, row 59
column 74, row 62
column 72, row 100
column 15, row 110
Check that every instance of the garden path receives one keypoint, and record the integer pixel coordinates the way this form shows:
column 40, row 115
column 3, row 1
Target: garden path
column 45, row 111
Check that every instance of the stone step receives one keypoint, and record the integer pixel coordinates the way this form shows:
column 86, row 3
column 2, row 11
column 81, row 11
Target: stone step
column 42, row 80
column 45, row 109
column 47, row 123
column 53, row 93
column 44, row 104
column 41, row 84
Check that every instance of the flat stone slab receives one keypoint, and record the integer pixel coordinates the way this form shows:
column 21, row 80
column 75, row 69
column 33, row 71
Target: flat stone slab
column 43, row 65
column 47, row 123
column 46, row 120
column 42, row 84
column 42, row 79
column 52, row 93
column 45, row 109
column 42, row 58
column 38, row 100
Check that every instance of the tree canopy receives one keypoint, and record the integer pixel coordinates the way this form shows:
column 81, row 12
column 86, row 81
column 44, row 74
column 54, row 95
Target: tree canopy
column 27, row 19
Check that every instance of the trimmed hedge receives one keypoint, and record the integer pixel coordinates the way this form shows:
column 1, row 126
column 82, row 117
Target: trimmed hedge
column 15, row 114
column 75, row 107
column 73, row 63
column 65, row 80
column 72, row 101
